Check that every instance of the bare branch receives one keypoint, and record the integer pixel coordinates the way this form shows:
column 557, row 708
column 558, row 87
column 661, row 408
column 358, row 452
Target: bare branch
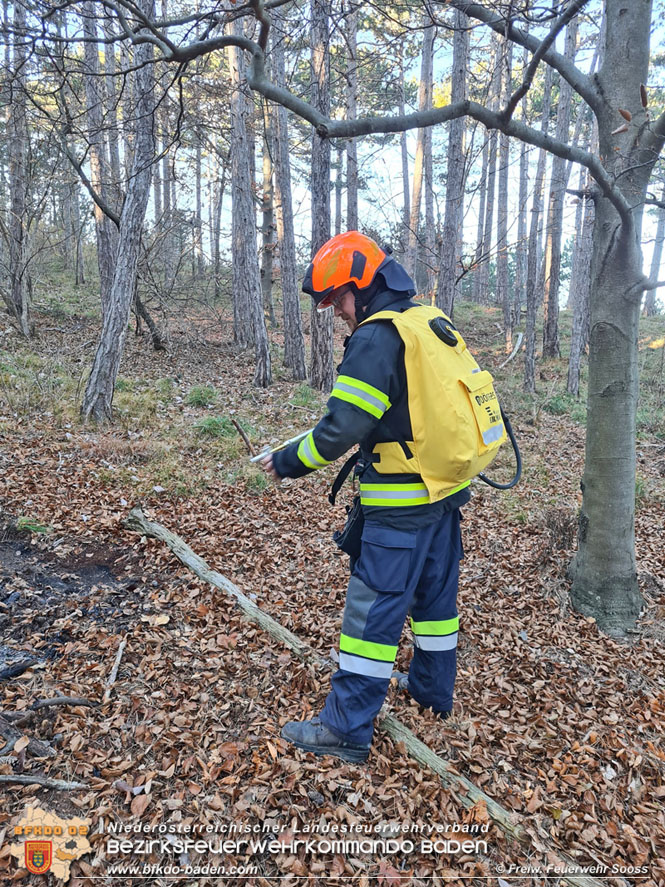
column 558, row 26
column 582, row 84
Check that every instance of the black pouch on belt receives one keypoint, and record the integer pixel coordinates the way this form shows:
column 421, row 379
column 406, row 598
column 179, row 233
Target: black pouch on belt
column 349, row 538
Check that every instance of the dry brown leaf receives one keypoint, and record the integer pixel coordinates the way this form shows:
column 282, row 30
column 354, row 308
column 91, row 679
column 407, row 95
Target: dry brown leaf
column 139, row 804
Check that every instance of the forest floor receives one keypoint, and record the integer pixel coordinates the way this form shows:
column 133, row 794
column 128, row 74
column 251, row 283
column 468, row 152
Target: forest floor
column 558, row 723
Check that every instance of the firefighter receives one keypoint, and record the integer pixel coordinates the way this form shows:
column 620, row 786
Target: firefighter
column 410, row 545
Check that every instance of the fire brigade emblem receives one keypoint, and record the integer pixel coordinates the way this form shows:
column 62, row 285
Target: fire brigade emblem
column 38, row 856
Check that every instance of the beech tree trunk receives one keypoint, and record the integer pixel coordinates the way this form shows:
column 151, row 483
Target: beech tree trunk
column 604, row 569
column 249, row 319
column 533, row 256
column 451, row 239
column 322, row 372
column 98, row 397
column 559, row 181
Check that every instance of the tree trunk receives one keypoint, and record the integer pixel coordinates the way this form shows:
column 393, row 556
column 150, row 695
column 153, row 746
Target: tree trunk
column 351, row 113
column 532, row 261
column 100, row 174
column 503, row 291
column 650, row 300
column 267, row 216
column 580, row 279
column 558, row 186
column 424, row 102
column 249, row 319
column 339, row 166
column 18, row 301
column 479, row 257
column 486, row 252
column 521, row 250
column 451, row 240
column 322, row 373
column 406, row 210
column 294, row 341
column 216, row 223
column 604, row 569
column 98, row 397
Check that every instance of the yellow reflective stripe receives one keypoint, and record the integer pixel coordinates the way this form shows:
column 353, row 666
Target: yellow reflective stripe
column 361, row 395
column 436, row 627
column 382, row 652
column 309, row 455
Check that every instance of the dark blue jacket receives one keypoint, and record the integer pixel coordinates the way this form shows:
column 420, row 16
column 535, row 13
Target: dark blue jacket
column 371, row 376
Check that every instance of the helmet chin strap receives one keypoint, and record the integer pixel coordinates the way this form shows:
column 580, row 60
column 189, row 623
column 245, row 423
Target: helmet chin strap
column 360, row 309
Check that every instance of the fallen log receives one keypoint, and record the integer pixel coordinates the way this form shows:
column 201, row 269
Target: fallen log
column 45, row 781
column 469, row 795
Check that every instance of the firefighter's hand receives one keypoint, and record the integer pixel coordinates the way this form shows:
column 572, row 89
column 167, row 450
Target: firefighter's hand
column 268, row 467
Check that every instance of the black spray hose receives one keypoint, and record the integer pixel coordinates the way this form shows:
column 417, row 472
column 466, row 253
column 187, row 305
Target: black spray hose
column 518, row 459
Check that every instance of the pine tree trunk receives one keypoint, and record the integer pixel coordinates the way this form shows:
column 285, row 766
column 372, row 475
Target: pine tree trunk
column 521, row 250
column 268, row 216
column 479, row 257
column 495, row 87
column 18, row 300
column 558, row 186
column 532, row 261
column 98, row 397
column 451, row 240
column 503, row 292
column 424, row 102
column 294, row 341
column 580, row 280
column 339, row 166
column 100, row 174
column 351, row 113
column 650, row 300
column 322, row 373
column 406, row 210
column 249, row 319
column 216, row 223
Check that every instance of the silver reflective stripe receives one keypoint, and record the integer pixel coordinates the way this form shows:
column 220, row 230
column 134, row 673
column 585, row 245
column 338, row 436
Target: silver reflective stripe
column 370, row 667
column 493, row 434
column 363, row 395
column 394, row 494
column 436, row 642
column 313, row 457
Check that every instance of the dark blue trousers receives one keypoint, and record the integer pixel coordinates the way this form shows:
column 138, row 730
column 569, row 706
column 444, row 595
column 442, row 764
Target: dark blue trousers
column 399, row 572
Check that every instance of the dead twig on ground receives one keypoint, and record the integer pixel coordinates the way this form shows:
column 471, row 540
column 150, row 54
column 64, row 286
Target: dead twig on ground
column 114, row 670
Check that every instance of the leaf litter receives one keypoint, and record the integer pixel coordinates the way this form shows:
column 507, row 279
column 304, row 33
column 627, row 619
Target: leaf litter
column 558, row 723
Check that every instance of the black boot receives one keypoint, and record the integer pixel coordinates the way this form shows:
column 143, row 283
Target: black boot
column 316, row 737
